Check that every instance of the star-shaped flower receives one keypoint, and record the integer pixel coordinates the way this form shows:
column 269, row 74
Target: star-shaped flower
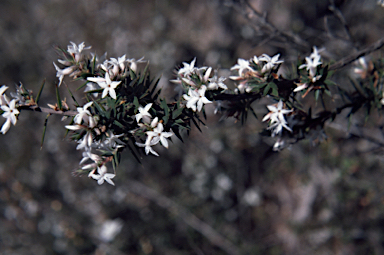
column 271, row 62
column 312, row 62
column 102, row 175
column 83, row 113
column 61, row 72
column 158, row 135
column 276, row 113
column 188, row 68
column 9, row 113
column 106, row 83
column 144, row 114
column 242, row 65
column 75, row 50
column 196, row 99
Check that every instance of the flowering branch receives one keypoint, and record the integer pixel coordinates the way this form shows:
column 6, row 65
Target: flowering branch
column 123, row 109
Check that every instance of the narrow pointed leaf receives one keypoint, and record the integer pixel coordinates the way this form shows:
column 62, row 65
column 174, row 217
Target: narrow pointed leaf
column 40, row 91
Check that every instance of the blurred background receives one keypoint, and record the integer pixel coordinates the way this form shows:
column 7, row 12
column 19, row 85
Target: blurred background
column 324, row 199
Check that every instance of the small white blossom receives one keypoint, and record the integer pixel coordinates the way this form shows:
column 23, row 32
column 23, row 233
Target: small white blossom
column 133, row 63
column 242, row 65
column 312, row 62
column 83, row 113
column 276, row 117
column 144, row 114
column 158, row 135
column 89, row 155
column 106, row 83
column 196, row 99
column 2, row 97
column 276, row 113
column 75, row 50
column 102, row 175
column 117, row 64
column 61, row 72
column 112, row 141
column 9, row 113
column 188, row 68
column 271, row 62
column 148, row 143
column 216, row 82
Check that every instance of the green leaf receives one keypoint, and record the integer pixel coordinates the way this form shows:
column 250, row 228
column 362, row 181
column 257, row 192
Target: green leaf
column 100, row 109
column 266, row 89
column 58, row 98
column 136, row 103
column 40, row 91
column 164, row 106
column 73, row 97
column 144, row 74
column 177, row 112
column 44, row 131
column 118, row 124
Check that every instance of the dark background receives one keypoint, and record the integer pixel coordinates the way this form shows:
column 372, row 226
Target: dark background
column 325, row 199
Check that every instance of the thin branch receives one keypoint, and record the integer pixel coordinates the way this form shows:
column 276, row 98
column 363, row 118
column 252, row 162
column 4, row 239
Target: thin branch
column 211, row 234
column 262, row 19
column 351, row 58
column 339, row 15
column 48, row 110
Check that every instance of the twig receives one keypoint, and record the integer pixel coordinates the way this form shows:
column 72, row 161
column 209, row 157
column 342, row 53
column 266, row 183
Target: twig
column 339, row 15
column 211, row 234
column 48, row 110
column 272, row 28
column 349, row 59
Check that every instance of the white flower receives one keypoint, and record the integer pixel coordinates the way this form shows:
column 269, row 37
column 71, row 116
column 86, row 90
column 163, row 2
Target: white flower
column 75, row 50
column 9, row 113
column 113, row 141
column 106, row 83
column 216, row 82
column 312, row 62
column 133, row 63
column 102, row 175
column 188, row 68
column 2, row 97
column 148, row 143
column 276, row 113
column 278, row 127
column 83, row 113
column 242, row 65
column 144, row 114
column 117, row 64
column 196, row 99
column 158, row 135
column 61, row 72
column 88, row 155
column 271, row 62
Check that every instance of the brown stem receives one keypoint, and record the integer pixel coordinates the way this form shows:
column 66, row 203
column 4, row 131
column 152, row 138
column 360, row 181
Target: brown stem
column 48, row 110
column 351, row 58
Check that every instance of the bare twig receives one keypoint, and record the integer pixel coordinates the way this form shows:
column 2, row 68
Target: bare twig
column 351, row 58
column 49, row 110
column 273, row 30
column 211, row 234
column 339, row 15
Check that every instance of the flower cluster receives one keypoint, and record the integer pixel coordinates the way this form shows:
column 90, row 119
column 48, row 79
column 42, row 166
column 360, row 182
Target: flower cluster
column 311, row 65
column 197, row 80
column 257, row 69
